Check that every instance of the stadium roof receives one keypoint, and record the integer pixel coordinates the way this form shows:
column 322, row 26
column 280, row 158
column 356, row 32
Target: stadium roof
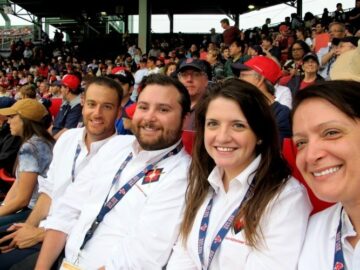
column 79, row 12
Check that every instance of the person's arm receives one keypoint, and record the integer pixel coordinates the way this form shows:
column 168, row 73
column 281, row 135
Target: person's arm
column 52, row 246
column 20, row 198
column 327, row 56
column 57, row 135
column 40, row 210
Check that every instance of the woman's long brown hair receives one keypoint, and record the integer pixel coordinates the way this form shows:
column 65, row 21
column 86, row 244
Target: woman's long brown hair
column 271, row 174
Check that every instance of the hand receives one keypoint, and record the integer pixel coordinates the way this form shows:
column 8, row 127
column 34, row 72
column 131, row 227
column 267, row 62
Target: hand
column 25, row 236
column 10, row 238
column 102, row 268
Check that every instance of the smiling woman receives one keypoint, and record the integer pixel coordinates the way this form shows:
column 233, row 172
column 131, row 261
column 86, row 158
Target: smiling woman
column 242, row 204
column 326, row 126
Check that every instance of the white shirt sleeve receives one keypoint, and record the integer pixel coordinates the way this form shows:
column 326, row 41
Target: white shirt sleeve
column 66, row 210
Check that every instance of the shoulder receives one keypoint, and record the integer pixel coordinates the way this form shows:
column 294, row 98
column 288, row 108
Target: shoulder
column 71, row 133
column 322, row 220
column 115, row 145
column 293, row 186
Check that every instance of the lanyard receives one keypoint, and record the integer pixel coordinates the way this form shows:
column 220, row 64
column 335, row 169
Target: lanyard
column 77, row 152
column 119, row 195
column 339, row 261
column 223, row 230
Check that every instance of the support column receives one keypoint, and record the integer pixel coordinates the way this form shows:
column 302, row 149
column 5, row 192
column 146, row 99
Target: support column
column 171, row 19
column 126, row 23
column 236, row 17
column 144, row 25
column 299, row 8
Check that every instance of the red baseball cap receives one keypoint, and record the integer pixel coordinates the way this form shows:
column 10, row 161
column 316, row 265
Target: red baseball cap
column 71, row 81
column 262, row 65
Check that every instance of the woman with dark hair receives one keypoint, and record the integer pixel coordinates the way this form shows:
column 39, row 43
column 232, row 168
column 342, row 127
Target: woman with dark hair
column 242, row 205
column 326, row 126
column 26, row 120
column 293, row 66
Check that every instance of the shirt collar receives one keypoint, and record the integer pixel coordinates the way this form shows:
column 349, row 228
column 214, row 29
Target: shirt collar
column 94, row 146
column 244, row 178
column 347, row 229
column 150, row 156
column 75, row 101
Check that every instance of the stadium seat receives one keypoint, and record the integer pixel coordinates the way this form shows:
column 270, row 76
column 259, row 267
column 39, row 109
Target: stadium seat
column 188, row 137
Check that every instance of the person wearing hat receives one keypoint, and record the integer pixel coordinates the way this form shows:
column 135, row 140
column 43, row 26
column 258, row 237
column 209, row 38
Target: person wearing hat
column 310, row 66
column 126, row 80
column 9, row 147
column 346, row 44
column 25, row 118
column 347, row 66
column 194, row 74
column 70, row 111
column 264, row 72
column 214, row 37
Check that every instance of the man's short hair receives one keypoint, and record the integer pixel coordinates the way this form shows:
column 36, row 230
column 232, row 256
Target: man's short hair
column 225, row 20
column 164, row 80
column 107, row 82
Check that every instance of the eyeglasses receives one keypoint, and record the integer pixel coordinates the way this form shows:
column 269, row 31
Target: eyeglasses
column 193, row 74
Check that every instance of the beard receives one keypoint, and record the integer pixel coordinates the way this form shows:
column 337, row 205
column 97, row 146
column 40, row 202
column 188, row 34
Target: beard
column 162, row 140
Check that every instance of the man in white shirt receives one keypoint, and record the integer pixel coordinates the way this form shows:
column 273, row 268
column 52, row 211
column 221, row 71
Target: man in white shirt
column 137, row 190
column 72, row 152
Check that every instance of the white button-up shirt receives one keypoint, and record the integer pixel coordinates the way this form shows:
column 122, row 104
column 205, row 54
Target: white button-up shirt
column 283, row 228
column 139, row 232
column 319, row 247
column 59, row 176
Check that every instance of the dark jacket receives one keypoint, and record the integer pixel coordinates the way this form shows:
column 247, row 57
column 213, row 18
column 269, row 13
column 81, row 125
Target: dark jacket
column 9, row 147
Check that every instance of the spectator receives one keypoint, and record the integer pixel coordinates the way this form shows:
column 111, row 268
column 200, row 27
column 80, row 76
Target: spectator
column 126, row 80
column 326, row 123
column 194, row 75
column 214, row 37
column 76, row 147
column 70, row 111
column 310, row 76
column 237, row 55
column 354, row 16
column 264, row 72
column 347, row 66
column 34, row 157
column 240, row 188
column 327, row 55
column 217, row 68
column 231, row 33
column 339, row 15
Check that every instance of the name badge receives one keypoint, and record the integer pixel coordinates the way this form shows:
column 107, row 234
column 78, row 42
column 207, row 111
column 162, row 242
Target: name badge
column 65, row 265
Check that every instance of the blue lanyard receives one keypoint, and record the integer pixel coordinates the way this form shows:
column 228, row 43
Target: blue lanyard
column 223, row 230
column 339, row 261
column 119, row 195
column 77, row 152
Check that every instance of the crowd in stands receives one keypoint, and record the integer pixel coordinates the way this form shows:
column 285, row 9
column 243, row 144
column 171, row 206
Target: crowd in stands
column 84, row 184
